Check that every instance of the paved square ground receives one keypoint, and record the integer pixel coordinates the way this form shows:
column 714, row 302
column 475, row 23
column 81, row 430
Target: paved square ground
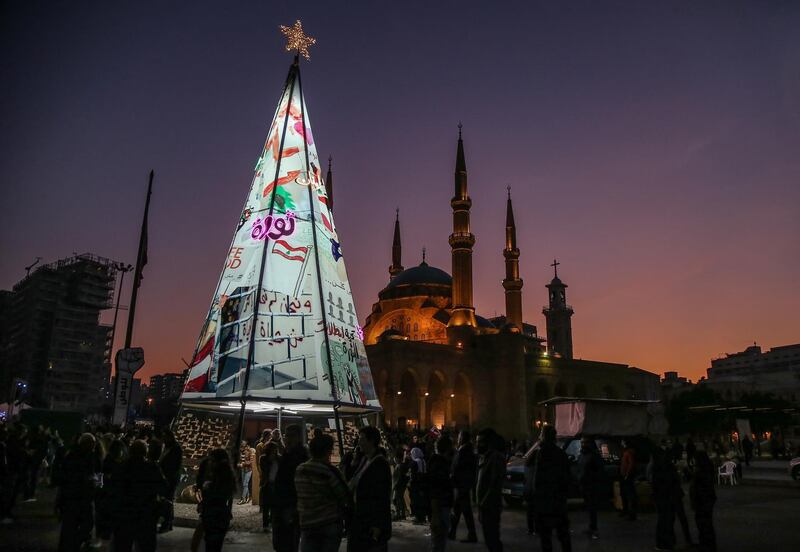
column 748, row 519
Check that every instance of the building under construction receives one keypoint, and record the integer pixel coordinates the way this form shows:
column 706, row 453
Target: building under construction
column 54, row 340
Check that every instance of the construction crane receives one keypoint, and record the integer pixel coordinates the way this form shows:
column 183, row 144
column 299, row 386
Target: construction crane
column 30, row 266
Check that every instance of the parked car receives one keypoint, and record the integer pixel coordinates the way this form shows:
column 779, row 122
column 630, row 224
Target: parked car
column 610, row 449
column 514, row 483
column 794, row 468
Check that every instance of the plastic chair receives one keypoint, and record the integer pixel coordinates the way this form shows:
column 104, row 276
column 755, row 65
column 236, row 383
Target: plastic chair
column 727, row 471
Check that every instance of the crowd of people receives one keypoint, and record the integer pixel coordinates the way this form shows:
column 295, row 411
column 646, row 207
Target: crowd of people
column 110, row 485
column 120, row 486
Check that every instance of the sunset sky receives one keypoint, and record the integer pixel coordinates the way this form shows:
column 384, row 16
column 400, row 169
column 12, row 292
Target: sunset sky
column 652, row 147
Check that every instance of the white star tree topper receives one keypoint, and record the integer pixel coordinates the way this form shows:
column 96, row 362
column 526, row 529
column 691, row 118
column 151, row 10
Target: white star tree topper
column 296, row 39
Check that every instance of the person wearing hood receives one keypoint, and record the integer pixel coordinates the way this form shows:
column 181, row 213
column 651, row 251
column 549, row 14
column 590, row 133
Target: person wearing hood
column 417, row 487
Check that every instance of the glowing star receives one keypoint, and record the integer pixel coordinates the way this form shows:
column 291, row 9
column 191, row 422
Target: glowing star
column 296, row 39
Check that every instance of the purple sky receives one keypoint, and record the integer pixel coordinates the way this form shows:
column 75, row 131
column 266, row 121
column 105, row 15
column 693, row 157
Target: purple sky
column 653, row 147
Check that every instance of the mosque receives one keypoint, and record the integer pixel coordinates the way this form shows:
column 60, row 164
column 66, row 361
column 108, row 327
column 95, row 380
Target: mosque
column 436, row 362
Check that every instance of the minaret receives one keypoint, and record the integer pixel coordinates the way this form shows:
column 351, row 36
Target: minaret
column 461, row 242
column 397, row 251
column 559, row 317
column 329, row 184
column 512, row 282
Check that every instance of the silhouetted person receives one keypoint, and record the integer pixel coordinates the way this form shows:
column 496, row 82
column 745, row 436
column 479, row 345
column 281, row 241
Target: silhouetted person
column 77, row 482
column 268, row 466
column 285, row 519
column 530, row 474
column 171, row 462
column 464, row 474
column 627, row 482
column 16, row 462
column 247, row 457
column 551, row 478
column 680, row 511
column 774, row 447
column 322, row 498
column 138, row 483
column 36, row 453
column 703, row 497
column 591, row 472
column 400, row 477
column 440, row 489
column 691, row 449
column 218, row 488
column 747, row 448
column 489, row 488
column 371, row 523
column 663, row 476
column 677, row 451
column 106, row 514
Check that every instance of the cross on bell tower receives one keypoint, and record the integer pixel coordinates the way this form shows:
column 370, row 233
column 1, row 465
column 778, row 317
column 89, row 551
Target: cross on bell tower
column 558, row 315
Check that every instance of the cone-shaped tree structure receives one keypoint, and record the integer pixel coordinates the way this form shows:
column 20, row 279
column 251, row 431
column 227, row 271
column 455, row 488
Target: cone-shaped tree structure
column 282, row 329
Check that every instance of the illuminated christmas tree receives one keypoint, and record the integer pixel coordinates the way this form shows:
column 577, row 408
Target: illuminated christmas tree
column 282, row 331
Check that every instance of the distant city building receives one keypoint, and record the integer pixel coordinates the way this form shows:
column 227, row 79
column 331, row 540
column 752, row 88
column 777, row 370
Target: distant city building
column 53, row 338
column 776, row 371
column 166, row 387
column 672, row 384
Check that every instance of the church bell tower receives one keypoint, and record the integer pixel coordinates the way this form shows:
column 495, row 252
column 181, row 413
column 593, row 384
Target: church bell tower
column 461, row 242
column 559, row 317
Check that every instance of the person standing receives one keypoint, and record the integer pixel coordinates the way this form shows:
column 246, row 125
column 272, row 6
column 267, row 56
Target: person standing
column 550, row 489
column 489, row 487
column 322, row 499
column 527, row 493
column 137, row 485
column 402, row 466
column 77, row 483
column 418, row 486
column 591, row 472
column 170, row 463
column 218, row 487
column 285, row 518
column 662, row 475
column 371, row 523
column 465, row 469
column 104, row 502
column 747, row 448
column 677, row 505
column 257, row 483
column 691, row 449
column 702, row 497
column 627, row 482
column 268, row 464
column 37, row 452
column 247, row 456
column 774, row 447
column 677, row 451
column 441, row 492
